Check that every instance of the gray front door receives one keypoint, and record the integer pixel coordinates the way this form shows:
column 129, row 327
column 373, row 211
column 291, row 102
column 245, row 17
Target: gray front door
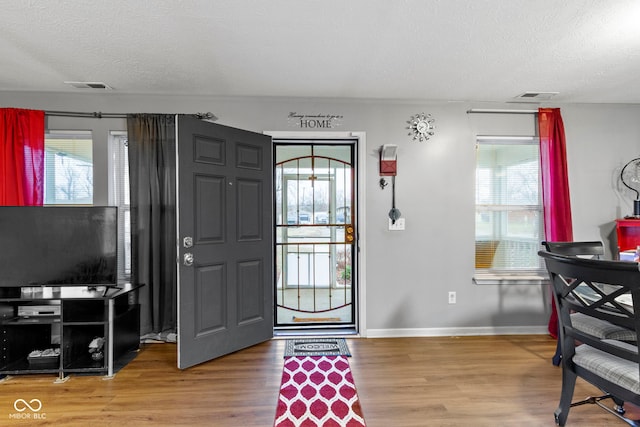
column 225, row 240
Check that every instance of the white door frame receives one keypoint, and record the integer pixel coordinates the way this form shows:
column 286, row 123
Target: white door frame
column 361, row 164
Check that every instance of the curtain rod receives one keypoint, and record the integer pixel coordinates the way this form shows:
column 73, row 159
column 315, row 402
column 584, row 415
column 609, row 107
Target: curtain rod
column 101, row 115
column 497, row 111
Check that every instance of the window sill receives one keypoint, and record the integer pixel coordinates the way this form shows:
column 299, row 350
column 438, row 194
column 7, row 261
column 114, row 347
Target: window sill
column 513, row 279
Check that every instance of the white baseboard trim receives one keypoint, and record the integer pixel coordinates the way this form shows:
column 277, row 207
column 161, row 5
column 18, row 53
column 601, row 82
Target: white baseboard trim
column 450, row 332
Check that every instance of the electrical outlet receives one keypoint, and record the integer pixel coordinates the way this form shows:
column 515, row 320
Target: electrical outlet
column 397, row 226
column 452, row 297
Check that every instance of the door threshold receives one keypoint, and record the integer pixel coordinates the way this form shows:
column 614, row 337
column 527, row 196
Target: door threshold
column 315, row 332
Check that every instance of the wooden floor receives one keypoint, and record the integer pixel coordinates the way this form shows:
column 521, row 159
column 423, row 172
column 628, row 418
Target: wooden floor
column 402, row 382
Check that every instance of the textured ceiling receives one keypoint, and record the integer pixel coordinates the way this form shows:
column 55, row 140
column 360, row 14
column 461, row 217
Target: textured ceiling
column 440, row 50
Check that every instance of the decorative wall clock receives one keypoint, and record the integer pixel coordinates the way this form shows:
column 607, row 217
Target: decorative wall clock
column 421, row 126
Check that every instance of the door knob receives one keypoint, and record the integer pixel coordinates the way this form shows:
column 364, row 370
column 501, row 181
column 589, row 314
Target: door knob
column 187, row 259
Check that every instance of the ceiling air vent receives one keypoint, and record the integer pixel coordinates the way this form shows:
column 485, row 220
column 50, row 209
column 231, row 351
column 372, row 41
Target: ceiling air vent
column 536, row 96
column 90, row 85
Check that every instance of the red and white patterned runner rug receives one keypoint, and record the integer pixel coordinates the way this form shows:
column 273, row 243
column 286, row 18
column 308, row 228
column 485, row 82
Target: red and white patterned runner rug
column 318, row 391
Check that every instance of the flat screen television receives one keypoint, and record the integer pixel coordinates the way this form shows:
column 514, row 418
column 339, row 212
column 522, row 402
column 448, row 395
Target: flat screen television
column 58, row 246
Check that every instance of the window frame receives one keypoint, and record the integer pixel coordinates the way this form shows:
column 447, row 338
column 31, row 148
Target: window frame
column 507, row 275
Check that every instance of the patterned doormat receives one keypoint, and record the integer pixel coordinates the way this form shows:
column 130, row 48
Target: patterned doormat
column 316, row 347
column 318, row 391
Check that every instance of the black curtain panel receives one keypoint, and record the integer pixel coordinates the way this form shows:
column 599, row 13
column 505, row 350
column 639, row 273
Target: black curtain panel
column 152, row 170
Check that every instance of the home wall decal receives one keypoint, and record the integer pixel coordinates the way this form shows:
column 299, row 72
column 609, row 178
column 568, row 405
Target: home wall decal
column 314, row 121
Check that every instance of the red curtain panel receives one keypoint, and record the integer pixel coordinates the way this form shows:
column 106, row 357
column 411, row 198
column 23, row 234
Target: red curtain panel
column 21, row 157
column 558, row 226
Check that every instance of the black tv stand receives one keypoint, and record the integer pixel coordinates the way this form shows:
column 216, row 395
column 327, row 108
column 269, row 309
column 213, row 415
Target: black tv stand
column 64, row 320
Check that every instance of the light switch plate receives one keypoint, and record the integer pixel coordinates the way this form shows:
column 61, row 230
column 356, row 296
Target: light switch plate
column 398, row 226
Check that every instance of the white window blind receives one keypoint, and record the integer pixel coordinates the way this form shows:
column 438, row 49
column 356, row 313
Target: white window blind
column 509, row 223
column 68, row 168
column 119, row 196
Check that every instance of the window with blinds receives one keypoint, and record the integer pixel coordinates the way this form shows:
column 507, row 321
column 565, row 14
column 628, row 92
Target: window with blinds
column 508, row 216
column 119, row 196
column 68, row 168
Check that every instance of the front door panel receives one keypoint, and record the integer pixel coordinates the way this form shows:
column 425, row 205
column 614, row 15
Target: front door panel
column 225, row 273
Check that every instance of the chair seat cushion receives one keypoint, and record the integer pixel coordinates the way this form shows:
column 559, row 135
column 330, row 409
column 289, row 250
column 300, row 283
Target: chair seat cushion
column 601, row 328
column 623, row 372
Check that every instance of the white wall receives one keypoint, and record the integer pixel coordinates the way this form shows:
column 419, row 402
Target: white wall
column 409, row 273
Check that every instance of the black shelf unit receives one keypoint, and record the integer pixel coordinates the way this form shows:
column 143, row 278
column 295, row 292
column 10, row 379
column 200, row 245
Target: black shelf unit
column 68, row 318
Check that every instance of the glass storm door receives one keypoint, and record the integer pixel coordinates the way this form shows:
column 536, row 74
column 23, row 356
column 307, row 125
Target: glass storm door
column 315, row 235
